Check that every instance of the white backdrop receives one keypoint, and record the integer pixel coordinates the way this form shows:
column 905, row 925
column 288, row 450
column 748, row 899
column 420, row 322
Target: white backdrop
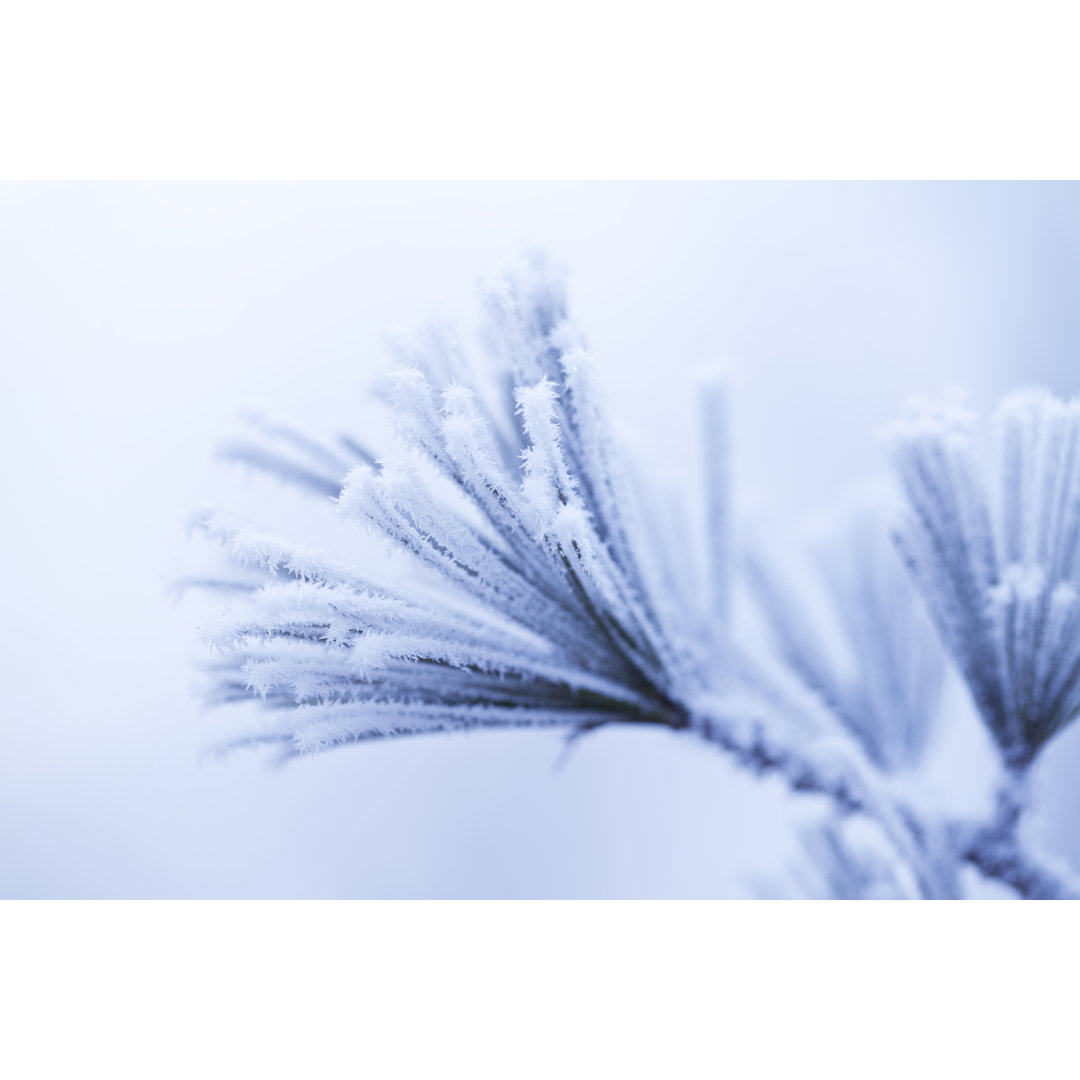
column 136, row 322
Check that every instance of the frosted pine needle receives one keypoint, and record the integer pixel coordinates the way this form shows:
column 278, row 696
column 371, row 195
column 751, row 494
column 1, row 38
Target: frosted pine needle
column 536, row 598
column 886, row 686
column 998, row 559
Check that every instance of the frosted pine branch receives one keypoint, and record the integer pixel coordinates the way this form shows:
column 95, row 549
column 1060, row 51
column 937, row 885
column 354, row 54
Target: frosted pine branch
column 550, row 587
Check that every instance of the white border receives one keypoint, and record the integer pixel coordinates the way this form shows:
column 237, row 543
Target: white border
column 614, row 989
column 564, row 89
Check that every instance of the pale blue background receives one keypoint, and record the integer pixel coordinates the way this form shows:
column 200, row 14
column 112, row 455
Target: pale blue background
column 137, row 321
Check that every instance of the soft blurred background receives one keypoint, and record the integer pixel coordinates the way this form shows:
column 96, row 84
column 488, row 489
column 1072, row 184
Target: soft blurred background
column 138, row 321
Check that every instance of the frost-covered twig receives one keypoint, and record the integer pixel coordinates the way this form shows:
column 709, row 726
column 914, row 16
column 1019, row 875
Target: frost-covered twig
column 996, row 848
column 546, row 592
column 1003, row 858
